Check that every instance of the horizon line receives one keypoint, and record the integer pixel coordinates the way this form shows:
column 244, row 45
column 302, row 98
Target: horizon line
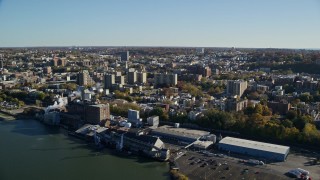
column 152, row 46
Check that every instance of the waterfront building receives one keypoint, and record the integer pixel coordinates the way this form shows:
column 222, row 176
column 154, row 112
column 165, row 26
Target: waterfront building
column 90, row 113
column 148, row 145
column 94, row 114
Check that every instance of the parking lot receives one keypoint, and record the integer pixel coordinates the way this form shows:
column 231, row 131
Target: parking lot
column 297, row 159
column 199, row 166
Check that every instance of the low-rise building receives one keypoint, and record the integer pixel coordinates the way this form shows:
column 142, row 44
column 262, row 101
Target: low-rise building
column 182, row 135
column 235, row 105
column 279, row 107
column 254, row 148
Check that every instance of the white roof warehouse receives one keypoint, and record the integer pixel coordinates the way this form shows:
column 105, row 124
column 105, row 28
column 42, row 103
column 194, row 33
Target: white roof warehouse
column 254, row 148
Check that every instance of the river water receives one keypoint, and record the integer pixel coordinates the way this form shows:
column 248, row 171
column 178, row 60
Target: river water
column 31, row 150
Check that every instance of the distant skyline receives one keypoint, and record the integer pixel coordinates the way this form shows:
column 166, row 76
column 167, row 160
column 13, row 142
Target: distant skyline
column 191, row 23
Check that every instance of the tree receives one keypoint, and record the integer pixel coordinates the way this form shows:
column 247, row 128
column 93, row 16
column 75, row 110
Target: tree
column 309, row 129
column 216, row 119
column 167, row 92
column 69, row 86
column 287, row 123
column 266, row 111
column 122, row 109
column 249, row 110
column 253, row 95
column 258, row 109
column 310, row 134
column 306, row 98
column 301, row 121
column 288, row 88
column 159, row 112
column 256, row 121
column 192, row 89
column 41, row 96
column 21, row 104
column 295, row 102
column 291, row 114
column 179, row 117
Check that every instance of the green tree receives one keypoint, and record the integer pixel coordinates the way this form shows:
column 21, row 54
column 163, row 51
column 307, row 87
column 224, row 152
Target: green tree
column 288, row 88
column 266, row 111
column 249, row 110
column 258, row 109
column 216, row 119
column 301, row 121
column 21, row 104
column 291, row 114
column 287, row 123
column 159, row 112
column 69, row 86
column 306, row 98
column 41, row 96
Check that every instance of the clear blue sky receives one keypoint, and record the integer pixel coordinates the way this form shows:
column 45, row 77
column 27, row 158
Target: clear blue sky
column 214, row 23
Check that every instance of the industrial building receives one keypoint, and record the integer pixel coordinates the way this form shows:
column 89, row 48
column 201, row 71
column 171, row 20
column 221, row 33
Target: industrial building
column 179, row 134
column 90, row 113
column 148, row 145
column 96, row 113
column 254, row 148
column 203, row 145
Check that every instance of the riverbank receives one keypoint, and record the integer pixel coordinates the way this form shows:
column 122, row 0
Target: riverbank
column 4, row 116
column 21, row 113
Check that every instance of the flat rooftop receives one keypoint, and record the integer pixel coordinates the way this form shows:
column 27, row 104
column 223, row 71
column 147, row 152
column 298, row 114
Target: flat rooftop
column 183, row 132
column 255, row 145
column 99, row 105
column 89, row 129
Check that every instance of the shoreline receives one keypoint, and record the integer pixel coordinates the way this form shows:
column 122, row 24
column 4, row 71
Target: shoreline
column 4, row 116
